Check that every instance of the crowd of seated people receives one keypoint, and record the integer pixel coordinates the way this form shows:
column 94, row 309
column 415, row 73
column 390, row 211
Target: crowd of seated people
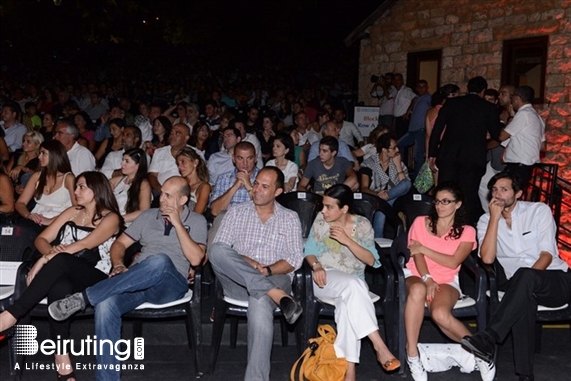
column 218, row 143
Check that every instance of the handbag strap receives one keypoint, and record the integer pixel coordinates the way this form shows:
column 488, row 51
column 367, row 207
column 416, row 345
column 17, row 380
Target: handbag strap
column 300, row 362
column 327, row 332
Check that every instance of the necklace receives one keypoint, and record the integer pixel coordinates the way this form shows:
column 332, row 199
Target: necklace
column 84, row 218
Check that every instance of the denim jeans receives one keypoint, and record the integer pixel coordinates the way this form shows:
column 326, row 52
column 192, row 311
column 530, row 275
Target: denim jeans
column 410, row 138
column 241, row 281
column 395, row 192
column 154, row 280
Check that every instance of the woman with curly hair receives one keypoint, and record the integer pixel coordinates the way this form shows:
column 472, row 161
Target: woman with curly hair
column 438, row 244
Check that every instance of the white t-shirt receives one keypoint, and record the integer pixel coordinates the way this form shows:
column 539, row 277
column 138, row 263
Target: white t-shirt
column 81, row 159
column 290, row 171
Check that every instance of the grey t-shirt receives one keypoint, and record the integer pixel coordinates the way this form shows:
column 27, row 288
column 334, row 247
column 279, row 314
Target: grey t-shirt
column 149, row 230
column 326, row 178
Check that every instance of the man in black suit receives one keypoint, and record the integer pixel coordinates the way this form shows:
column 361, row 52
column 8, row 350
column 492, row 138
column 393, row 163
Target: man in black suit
column 460, row 155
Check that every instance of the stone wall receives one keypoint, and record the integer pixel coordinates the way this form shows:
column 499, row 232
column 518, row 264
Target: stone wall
column 470, row 34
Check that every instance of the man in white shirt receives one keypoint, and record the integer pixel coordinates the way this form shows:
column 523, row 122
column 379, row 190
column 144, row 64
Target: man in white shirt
column 81, row 158
column 14, row 130
column 524, row 136
column 348, row 132
column 306, row 135
column 521, row 237
column 131, row 138
column 403, row 105
column 221, row 162
column 163, row 164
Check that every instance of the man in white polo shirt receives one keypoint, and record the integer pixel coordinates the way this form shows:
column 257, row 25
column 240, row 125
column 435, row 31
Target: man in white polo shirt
column 81, row 158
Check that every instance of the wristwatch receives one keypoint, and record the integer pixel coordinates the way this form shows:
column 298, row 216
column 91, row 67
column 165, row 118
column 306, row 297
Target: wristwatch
column 425, row 277
column 269, row 270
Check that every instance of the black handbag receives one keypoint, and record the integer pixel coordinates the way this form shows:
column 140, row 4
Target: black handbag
column 92, row 256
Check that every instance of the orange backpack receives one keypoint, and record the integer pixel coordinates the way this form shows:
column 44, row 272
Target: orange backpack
column 319, row 361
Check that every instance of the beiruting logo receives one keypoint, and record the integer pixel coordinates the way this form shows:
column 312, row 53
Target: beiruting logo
column 25, row 343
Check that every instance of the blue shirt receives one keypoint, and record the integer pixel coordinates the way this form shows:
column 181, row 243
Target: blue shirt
column 225, row 182
column 344, row 151
column 419, row 110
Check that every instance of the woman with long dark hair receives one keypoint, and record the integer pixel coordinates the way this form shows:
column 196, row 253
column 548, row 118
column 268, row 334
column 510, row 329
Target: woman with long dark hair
column 438, row 244
column 114, row 143
column 339, row 247
column 86, row 131
column 161, row 131
column 75, row 254
column 194, row 170
column 51, row 187
column 132, row 189
column 266, row 135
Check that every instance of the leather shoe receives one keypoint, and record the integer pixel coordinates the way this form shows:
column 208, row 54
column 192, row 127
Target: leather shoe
column 482, row 345
column 291, row 309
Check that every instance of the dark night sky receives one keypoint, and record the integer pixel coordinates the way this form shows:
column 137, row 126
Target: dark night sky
column 310, row 30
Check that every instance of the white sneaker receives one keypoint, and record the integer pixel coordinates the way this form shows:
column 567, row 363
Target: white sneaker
column 487, row 369
column 416, row 369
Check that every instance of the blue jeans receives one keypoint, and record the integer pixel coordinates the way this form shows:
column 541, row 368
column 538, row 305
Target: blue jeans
column 154, row 280
column 241, row 281
column 395, row 192
column 410, row 138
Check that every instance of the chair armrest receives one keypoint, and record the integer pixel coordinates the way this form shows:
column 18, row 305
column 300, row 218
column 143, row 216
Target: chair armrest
column 479, row 275
column 307, row 279
column 197, row 286
column 490, row 270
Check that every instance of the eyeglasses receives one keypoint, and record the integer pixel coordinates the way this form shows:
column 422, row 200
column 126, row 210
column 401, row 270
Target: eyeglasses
column 443, row 202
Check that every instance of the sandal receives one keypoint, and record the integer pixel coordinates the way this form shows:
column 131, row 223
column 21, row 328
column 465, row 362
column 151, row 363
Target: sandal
column 392, row 364
column 65, row 377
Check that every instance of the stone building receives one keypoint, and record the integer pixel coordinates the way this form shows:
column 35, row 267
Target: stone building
column 505, row 41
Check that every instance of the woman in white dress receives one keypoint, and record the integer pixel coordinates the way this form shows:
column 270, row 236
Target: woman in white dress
column 132, row 189
column 283, row 151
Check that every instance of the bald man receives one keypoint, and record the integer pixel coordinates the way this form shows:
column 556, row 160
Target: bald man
column 173, row 238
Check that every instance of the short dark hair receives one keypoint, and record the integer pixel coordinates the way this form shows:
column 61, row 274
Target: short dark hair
column 492, row 92
column 331, row 142
column 234, row 130
column 287, row 141
column 384, row 141
column 477, row 84
column 245, row 146
column 448, row 89
column 526, row 93
column 14, row 106
column 280, row 178
column 505, row 175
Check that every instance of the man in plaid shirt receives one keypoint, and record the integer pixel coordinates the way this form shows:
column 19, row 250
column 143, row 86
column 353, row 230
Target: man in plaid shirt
column 254, row 254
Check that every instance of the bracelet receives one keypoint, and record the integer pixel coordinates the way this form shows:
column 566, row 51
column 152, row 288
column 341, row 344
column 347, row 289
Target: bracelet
column 426, row 277
column 116, row 267
column 46, row 258
column 269, row 270
column 399, row 172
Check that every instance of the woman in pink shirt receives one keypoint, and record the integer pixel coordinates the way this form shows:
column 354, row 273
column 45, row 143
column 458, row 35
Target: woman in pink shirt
column 438, row 244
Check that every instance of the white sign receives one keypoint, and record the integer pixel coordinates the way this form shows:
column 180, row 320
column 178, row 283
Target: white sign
column 366, row 119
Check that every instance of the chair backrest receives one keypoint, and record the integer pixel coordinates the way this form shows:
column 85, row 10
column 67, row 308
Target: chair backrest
column 305, row 204
column 16, row 241
column 414, row 205
column 367, row 205
column 400, row 253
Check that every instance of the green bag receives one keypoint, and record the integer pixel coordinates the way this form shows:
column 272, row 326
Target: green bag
column 424, row 180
